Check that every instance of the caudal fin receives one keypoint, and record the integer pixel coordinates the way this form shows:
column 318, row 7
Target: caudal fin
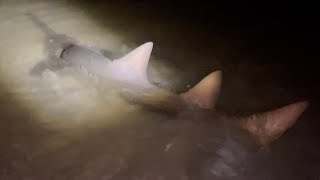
column 269, row 126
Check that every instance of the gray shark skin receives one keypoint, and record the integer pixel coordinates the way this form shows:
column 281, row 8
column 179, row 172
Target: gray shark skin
column 128, row 73
column 95, row 63
column 64, row 51
column 195, row 143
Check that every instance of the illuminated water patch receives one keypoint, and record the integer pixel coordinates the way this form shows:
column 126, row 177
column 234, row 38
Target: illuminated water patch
column 64, row 98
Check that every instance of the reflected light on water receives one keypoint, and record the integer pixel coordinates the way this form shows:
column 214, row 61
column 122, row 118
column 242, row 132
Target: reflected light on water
column 60, row 99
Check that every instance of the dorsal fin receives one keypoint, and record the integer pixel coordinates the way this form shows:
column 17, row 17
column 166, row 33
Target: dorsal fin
column 269, row 126
column 136, row 61
column 206, row 92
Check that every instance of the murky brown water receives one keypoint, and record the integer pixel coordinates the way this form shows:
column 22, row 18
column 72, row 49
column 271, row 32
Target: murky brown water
column 61, row 127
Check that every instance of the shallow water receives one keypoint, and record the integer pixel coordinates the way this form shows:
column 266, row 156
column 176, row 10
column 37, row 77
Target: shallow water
column 58, row 126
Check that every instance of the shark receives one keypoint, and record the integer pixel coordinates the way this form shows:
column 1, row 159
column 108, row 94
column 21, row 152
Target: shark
column 127, row 73
column 196, row 142
column 62, row 51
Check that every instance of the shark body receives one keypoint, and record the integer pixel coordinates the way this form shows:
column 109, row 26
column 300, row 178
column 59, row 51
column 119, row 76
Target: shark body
column 63, row 51
column 197, row 141
column 128, row 73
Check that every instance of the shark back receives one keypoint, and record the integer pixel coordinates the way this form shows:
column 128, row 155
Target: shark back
column 86, row 59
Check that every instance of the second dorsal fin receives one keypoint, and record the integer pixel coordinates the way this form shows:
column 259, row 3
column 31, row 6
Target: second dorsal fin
column 206, row 92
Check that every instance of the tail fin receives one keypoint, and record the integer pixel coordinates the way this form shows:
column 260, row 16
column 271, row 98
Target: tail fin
column 269, row 126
